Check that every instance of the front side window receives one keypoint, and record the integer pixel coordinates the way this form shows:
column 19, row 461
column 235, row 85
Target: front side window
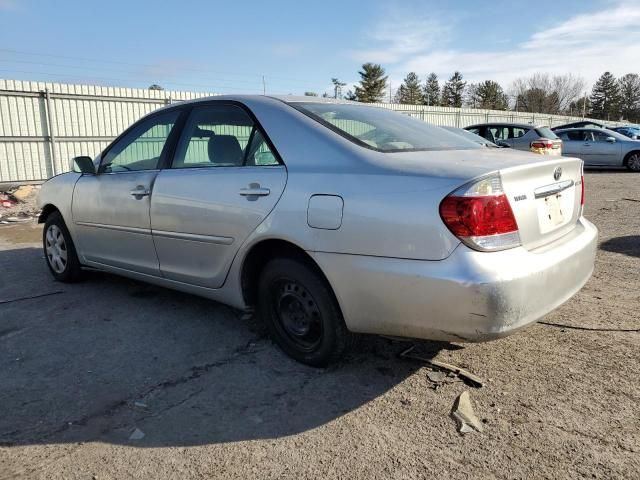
column 572, row 135
column 221, row 136
column 381, row 129
column 142, row 147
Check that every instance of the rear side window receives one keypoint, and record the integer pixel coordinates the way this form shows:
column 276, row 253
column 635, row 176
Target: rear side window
column 574, row 136
column 382, row 130
column 519, row 132
column 546, row 132
column 221, row 136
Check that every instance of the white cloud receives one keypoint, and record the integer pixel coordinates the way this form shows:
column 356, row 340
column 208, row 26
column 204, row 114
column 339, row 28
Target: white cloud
column 399, row 35
column 585, row 45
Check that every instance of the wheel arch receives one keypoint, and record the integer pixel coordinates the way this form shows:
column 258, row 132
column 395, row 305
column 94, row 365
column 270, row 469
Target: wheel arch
column 625, row 162
column 47, row 210
column 259, row 255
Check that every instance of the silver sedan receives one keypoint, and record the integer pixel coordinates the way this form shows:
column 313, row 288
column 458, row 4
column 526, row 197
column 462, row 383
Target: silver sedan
column 601, row 147
column 329, row 219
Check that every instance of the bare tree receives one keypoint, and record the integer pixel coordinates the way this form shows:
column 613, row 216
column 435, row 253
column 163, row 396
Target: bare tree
column 543, row 93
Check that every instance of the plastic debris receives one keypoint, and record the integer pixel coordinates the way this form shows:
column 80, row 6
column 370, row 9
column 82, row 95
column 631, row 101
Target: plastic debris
column 467, row 377
column 463, row 413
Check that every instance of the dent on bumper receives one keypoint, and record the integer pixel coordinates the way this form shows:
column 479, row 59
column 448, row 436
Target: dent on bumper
column 470, row 296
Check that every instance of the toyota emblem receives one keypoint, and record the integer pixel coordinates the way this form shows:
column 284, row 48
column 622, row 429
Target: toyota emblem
column 557, row 173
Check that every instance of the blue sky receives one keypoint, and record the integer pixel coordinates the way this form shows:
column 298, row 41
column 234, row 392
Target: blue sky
column 226, row 47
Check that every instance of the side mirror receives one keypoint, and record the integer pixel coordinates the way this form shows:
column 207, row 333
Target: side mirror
column 611, row 139
column 502, row 143
column 84, row 165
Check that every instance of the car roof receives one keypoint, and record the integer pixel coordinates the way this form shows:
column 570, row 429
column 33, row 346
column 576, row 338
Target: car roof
column 507, row 124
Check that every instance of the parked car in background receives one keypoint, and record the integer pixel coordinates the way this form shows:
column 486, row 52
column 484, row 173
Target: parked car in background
column 601, row 147
column 580, row 124
column 473, row 137
column 537, row 139
column 328, row 218
column 631, row 131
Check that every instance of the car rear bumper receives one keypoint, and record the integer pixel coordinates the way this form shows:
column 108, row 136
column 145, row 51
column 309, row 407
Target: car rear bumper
column 470, row 296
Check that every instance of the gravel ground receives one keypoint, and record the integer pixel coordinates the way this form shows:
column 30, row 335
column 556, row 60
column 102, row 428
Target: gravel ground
column 86, row 365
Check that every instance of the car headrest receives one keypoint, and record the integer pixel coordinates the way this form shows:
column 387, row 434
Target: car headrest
column 225, row 149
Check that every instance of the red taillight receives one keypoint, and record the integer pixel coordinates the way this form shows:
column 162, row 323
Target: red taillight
column 541, row 144
column 582, row 188
column 480, row 215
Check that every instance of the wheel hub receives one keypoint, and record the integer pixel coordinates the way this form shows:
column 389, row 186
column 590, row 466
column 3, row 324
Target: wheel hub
column 56, row 249
column 297, row 314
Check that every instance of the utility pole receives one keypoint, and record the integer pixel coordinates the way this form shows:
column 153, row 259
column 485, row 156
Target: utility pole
column 389, row 91
column 584, row 105
column 264, row 86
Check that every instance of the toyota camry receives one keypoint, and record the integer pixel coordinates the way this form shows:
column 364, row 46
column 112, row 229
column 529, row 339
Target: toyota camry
column 328, row 219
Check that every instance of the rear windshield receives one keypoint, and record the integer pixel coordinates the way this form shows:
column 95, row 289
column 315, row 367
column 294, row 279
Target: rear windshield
column 545, row 132
column 381, row 129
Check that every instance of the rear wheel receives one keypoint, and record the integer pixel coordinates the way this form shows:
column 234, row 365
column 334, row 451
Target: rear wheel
column 59, row 250
column 301, row 312
column 633, row 162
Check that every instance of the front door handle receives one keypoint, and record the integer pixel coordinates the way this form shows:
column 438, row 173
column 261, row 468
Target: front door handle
column 254, row 190
column 140, row 192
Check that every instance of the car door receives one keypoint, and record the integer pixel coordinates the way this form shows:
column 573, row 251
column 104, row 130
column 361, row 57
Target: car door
column 572, row 144
column 110, row 210
column 598, row 150
column 224, row 180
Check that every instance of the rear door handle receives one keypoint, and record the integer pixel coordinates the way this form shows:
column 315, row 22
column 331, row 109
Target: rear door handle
column 140, row 192
column 254, row 190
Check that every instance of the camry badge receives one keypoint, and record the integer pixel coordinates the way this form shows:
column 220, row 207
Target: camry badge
column 557, row 173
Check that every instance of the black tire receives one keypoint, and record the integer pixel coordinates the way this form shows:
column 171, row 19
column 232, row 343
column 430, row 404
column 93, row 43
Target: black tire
column 632, row 162
column 302, row 313
column 67, row 270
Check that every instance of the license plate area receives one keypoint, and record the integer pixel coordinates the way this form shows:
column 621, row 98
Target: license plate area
column 554, row 211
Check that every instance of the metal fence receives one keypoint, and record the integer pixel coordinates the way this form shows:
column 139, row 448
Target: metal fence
column 44, row 125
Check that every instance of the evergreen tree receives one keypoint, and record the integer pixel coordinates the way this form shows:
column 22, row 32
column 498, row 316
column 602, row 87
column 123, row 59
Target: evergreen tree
column 579, row 106
column 453, row 91
column 605, row 97
column 488, row 95
column 629, row 86
column 431, row 90
column 400, row 94
column 410, row 92
column 350, row 96
column 373, row 83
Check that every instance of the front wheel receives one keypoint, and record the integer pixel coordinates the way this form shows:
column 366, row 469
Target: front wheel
column 59, row 250
column 301, row 312
column 633, row 162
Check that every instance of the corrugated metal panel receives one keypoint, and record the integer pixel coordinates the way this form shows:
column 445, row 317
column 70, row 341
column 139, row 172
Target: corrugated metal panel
column 85, row 118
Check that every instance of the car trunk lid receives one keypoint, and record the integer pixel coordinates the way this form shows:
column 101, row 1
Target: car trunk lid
column 545, row 198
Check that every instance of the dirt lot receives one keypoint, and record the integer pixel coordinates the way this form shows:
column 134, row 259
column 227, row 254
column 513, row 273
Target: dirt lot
column 83, row 367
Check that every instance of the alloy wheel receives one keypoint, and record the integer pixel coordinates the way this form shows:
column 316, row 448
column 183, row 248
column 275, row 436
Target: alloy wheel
column 634, row 162
column 56, row 249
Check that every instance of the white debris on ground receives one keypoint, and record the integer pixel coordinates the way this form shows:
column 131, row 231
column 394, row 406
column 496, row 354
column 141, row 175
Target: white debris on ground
column 18, row 204
column 463, row 413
